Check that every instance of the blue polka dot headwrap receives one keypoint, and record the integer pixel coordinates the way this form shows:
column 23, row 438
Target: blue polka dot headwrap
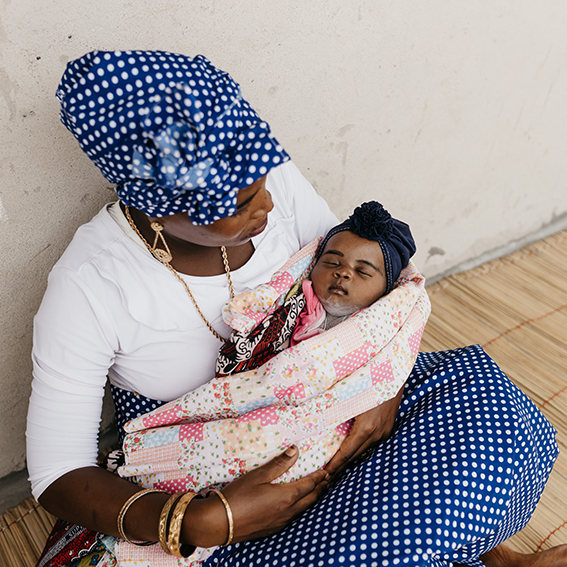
column 172, row 132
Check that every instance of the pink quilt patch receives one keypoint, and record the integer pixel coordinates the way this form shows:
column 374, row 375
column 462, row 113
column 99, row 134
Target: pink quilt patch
column 344, row 428
column 168, row 417
column 353, row 361
column 282, row 283
column 382, row 373
column 296, row 391
column 414, row 341
column 176, row 485
column 266, row 416
column 191, row 431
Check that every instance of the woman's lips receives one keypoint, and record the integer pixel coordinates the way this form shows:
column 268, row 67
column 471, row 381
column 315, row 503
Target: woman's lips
column 259, row 230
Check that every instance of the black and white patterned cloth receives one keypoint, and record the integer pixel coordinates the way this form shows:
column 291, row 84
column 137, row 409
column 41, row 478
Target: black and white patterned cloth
column 246, row 351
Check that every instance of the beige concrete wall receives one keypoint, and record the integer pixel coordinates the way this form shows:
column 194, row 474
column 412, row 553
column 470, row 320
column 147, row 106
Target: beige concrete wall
column 452, row 113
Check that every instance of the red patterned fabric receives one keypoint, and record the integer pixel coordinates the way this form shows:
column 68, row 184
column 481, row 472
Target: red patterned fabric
column 247, row 351
column 67, row 543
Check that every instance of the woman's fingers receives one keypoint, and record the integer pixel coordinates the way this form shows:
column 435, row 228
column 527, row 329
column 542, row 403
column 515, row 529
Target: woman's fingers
column 307, row 490
column 261, row 507
column 355, row 442
column 310, row 488
column 297, row 490
column 280, row 505
column 278, row 465
column 368, row 428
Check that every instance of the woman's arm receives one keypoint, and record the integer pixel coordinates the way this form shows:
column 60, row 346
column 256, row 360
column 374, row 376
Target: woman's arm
column 93, row 497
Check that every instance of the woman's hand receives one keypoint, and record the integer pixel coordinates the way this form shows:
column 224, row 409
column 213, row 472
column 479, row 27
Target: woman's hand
column 369, row 428
column 259, row 508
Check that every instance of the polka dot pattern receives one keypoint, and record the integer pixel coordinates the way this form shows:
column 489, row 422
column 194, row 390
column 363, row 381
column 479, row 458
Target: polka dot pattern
column 127, row 406
column 266, row 416
column 382, row 373
column 351, row 362
column 462, row 472
column 191, row 431
column 173, row 132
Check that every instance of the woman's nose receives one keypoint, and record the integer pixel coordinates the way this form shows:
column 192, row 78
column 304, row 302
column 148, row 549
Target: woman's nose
column 265, row 205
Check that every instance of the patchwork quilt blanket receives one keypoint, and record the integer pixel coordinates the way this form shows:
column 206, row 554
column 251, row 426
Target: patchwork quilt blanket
column 305, row 395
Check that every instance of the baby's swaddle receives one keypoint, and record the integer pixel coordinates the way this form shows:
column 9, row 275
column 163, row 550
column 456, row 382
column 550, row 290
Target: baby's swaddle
column 305, row 395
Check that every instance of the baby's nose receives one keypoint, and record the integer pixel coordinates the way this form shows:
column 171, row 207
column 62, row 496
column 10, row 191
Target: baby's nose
column 344, row 273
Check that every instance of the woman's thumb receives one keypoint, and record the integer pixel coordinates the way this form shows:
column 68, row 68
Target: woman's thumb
column 291, row 451
column 278, row 465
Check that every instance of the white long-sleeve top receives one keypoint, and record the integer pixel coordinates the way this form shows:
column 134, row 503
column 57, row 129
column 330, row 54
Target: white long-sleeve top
column 111, row 309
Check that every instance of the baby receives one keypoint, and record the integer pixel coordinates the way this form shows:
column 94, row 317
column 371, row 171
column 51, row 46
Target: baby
column 357, row 262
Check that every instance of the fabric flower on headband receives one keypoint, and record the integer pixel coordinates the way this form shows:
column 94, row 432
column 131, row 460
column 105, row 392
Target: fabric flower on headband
column 372, row 221
column 173, row 133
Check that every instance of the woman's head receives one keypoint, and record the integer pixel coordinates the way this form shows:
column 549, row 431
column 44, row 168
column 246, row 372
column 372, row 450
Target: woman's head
column 250, row 219
column 173, row 132
column 360, row 259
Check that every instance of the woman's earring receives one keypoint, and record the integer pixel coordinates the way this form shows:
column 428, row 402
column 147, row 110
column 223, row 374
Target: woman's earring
column 162, row 255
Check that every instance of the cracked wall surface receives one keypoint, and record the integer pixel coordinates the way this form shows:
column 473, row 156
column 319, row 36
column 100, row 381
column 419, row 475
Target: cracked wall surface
column 452, row 114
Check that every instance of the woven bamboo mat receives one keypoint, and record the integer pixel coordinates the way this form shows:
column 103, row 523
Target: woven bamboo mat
column 516, row 308
column 23, row 532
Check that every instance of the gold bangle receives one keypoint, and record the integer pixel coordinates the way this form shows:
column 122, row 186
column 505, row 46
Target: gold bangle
column 175, row 524
column 228, row 515
column 164, row 520
column 126, row 507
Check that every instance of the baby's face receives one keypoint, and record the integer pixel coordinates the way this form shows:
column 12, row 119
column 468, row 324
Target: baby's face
column 349, row 274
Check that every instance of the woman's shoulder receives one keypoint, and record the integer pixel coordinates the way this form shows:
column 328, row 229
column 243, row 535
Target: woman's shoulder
column 97, row 242
column 104, row 263
column 105, row 271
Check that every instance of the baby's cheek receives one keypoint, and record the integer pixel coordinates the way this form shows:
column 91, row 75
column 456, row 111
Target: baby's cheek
column 318, row 283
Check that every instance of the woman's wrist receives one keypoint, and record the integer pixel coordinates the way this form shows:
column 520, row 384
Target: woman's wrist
column 142, row 519
column 205, row 523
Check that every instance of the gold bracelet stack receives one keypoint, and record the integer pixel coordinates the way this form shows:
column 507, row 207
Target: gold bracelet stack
column 165, row 519
column 175, row 524
column 228, row 515
column 125, row 508
column 171, row 521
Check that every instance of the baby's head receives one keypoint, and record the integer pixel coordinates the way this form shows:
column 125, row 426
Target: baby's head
column 360, row 259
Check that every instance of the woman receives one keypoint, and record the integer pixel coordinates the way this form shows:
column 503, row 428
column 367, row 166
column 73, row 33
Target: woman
column 210, row 206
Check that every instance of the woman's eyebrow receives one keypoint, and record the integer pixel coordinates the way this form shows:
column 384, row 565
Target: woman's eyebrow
column 244, row 203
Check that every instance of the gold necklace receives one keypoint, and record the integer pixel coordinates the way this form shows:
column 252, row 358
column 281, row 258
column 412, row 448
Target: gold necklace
column 164, row 256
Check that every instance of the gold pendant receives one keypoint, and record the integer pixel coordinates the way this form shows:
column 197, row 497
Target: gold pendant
column 161, row 255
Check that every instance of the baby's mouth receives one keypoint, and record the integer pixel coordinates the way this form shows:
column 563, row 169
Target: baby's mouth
column 337, row 290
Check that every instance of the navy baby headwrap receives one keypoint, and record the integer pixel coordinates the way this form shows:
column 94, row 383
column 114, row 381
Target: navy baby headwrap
column 373, row 222
column 172, row 132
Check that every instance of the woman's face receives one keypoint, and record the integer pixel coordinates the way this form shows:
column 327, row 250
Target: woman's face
column 349, row 274
column 251, row 217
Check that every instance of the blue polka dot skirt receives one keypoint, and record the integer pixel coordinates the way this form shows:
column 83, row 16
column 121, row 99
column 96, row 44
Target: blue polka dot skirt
column 462, row 472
